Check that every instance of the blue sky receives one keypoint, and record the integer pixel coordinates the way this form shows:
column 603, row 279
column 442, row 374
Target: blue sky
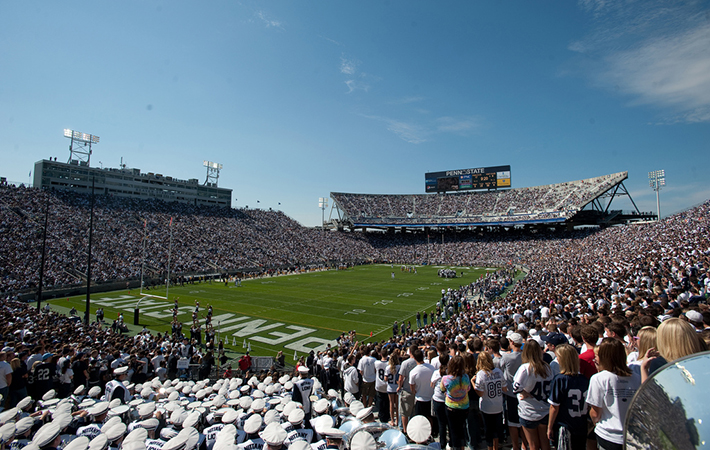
column 300, row 99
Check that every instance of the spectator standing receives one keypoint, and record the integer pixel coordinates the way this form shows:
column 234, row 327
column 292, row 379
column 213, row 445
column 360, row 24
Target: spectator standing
column 610, row 392
column 490, row 386
column 532, row 384
column 568, row 408
column 420, row 384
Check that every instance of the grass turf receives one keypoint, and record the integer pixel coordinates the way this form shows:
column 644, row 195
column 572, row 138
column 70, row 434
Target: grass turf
column 365, row 299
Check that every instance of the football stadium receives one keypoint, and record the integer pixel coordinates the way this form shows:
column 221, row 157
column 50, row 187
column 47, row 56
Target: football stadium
column 186, row 299
column 510, row 248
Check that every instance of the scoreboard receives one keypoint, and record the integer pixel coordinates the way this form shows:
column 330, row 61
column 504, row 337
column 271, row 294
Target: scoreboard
column 468, row 179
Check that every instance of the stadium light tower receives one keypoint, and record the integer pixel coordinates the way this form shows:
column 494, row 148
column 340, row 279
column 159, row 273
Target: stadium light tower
column 323, row 204
column 657, row 179
column 213, row 169
column 80, row 146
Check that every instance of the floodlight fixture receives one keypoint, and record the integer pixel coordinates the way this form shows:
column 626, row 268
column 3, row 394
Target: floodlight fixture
column 212, row 165
column 80, row 146
column 656, row 180
column 213, row 169
column 323, row 204
column 81, row 137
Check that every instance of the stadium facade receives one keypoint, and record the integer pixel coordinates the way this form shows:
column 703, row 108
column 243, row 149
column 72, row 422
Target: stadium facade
column 129, row 183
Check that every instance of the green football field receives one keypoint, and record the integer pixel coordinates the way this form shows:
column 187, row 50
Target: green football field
column 293, row 313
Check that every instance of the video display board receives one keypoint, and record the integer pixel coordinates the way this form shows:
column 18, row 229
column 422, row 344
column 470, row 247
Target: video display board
column 468, row 179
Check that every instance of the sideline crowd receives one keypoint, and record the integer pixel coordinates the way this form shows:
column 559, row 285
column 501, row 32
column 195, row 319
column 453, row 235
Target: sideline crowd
column 552, row 362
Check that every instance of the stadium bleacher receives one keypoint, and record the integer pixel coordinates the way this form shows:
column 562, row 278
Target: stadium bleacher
column 540, row 203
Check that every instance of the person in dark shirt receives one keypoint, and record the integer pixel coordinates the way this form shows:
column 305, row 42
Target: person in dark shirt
column 43, row 375
column 568, row 409
column 81, row 370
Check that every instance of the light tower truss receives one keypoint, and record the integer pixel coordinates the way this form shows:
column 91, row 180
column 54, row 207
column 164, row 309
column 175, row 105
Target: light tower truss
column 213, row 169
column 80, row 147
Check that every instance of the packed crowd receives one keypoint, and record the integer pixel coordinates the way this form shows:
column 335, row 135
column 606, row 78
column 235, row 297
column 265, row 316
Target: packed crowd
column 203, row 239
column 533, row 203
column 598, row 312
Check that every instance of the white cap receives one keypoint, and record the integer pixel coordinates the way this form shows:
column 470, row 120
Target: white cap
column 230, row 416
column 7, row 432
column 146, row 410
column 333, row 433
column 149, row 424
column 363, row 441
column 94, row 392
column 296, row 416
column 100, row 442
column 97, row 409
column 79, row 443
column 24, row 403
column 323, row 423
column 24, row 425
column 46, row 435
column 274, row 434
column 176, row 443
column 114, row 432
column 299, row 444
column 419, row 429
column 138, row 434
column 253, row 424
column 321, row 405
column 364, row 412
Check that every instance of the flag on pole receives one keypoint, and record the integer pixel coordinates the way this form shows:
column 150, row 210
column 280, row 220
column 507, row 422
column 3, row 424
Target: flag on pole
column 171, row 221
column 295, row 356
column 249, row 347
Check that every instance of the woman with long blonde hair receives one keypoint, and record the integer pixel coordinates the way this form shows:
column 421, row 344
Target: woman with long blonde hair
column 675, row 338
column 568, row 410
column 532, row 384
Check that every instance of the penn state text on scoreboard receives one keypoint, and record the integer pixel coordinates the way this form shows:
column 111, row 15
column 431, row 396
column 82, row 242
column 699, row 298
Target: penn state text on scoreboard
column 468, row 179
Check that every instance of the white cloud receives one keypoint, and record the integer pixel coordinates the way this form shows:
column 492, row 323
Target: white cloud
column 332, row 41
column 355, row 85
column 672, row 71
column 655, row 52
column 416, row 133
column 407, row 131
column 406, row 100
column 348, row 66
column 454, row 125
column 261, row 15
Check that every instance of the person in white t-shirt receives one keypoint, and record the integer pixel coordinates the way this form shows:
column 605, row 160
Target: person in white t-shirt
column 532, row 383
column 420, row 383
column 490, row 386
column 5, row 375
column 366, row 366
column 383, row 405
column 610, row 393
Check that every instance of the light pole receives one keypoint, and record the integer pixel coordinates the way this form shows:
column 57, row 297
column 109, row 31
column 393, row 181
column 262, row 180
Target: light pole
column 88, row 262
column 323, row 204
column 657, row 179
